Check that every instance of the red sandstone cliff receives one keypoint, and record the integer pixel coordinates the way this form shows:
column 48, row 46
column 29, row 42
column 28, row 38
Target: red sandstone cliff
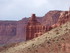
column 34, row 28
column 7, row 31
column 15, row 31
column 45, row 43
column 54, row 41
column 51, row 17
column 63, row 18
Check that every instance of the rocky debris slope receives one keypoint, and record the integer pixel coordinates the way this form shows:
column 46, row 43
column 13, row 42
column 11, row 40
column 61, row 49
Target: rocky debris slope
column 55, row 41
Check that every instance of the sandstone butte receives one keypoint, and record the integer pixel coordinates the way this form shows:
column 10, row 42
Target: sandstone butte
column 15, row 31
column 56, row 40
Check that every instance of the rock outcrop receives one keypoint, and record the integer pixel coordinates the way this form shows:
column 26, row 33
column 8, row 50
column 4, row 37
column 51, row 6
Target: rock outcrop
column 51, row 18
column 63, row 18
column 34, row 28
column 15, row 31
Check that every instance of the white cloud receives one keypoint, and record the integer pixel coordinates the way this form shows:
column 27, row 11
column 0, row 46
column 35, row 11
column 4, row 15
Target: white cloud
column 16, row 9
column 39, row 3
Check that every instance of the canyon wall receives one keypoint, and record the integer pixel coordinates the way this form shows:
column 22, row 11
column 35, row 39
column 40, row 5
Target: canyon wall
column 15, row 31
column 8, row 30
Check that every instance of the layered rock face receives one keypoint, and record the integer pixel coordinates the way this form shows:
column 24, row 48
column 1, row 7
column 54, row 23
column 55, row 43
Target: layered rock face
column 7, row 30
column 51, row 18
column 16, row 31
column 63, row 18
column 34, row 28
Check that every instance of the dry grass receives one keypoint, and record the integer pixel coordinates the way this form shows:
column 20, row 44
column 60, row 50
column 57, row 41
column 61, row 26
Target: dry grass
column 49, row 42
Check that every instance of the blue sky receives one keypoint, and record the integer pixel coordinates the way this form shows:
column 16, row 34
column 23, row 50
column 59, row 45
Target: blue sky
column 18, row 9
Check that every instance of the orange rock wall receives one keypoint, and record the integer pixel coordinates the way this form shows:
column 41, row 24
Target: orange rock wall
column 34, row 28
